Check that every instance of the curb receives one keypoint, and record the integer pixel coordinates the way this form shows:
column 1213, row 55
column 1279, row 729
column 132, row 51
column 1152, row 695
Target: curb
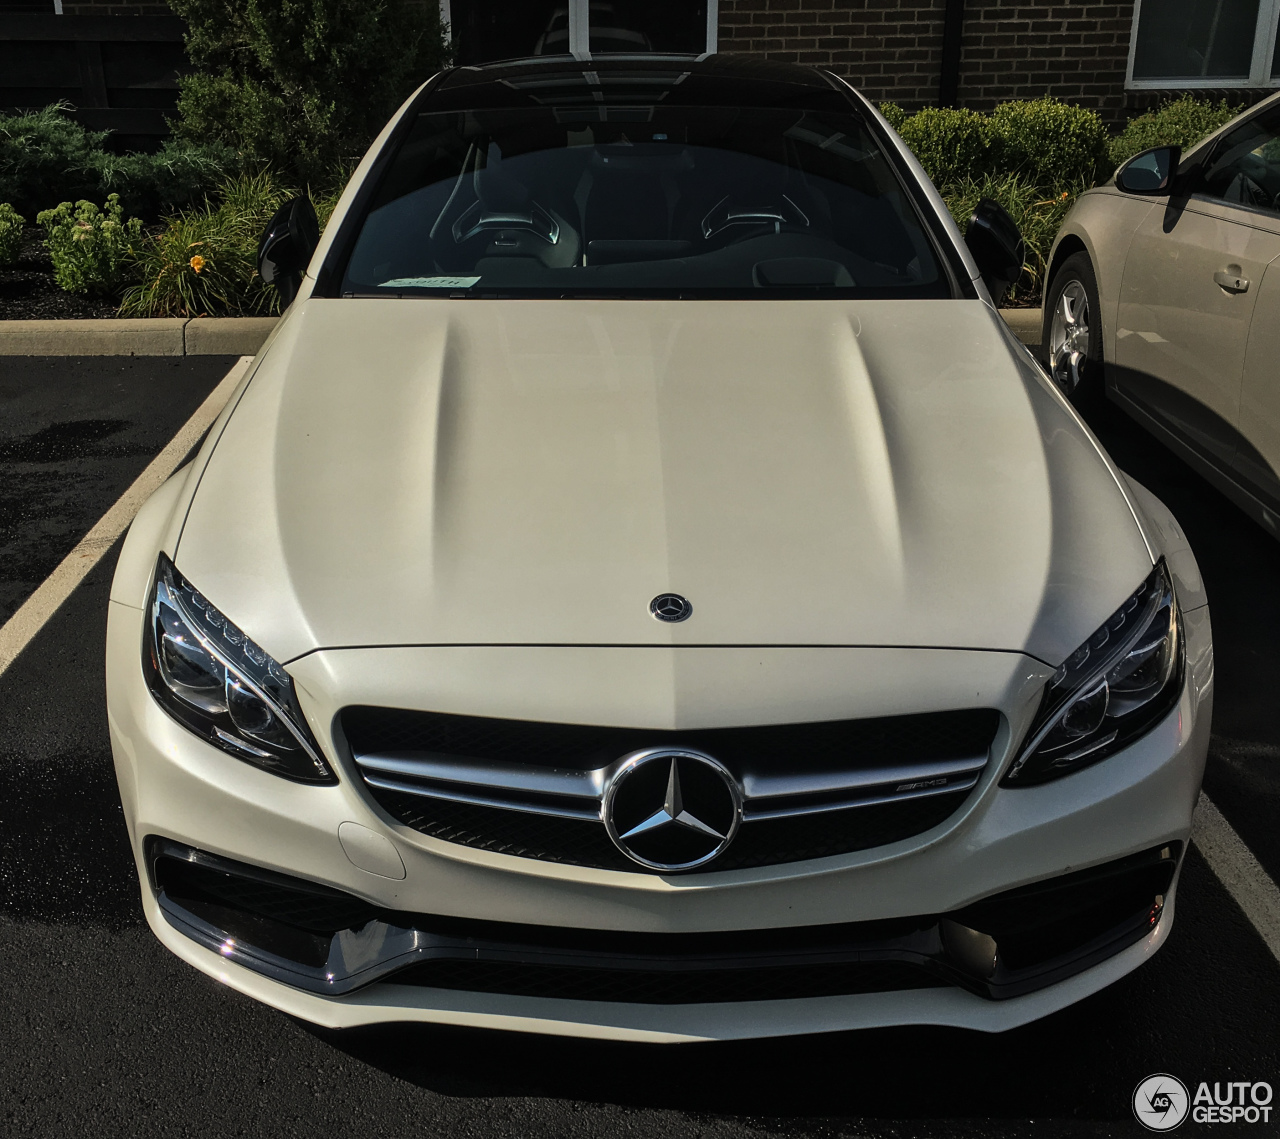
column 146, row 336
column 227, row 335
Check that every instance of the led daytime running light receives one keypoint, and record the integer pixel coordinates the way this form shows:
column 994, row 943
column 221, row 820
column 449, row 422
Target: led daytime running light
column 217, row 682
column 1113, row 688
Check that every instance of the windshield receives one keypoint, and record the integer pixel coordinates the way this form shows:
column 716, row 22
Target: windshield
column 678, row 201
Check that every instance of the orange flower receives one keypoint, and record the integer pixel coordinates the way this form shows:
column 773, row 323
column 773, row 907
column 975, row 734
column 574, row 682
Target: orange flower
column 197, row 262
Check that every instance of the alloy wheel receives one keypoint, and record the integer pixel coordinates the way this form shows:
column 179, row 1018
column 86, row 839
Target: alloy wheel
column 1069, row 337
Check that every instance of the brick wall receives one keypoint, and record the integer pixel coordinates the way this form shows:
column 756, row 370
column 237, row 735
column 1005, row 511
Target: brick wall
column 1040, row 47
column 892, row 49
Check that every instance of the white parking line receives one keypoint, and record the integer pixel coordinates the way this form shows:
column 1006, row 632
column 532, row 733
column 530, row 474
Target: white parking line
column 1237, row 869
column 1224, row 850
column 18, row 631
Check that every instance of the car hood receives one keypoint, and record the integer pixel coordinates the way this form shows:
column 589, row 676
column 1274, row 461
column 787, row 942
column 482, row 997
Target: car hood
column 534, row 472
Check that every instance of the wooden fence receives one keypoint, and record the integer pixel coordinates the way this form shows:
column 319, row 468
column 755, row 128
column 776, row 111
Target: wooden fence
column 118, row 72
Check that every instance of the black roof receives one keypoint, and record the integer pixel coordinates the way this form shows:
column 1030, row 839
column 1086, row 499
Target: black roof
column 712, row 81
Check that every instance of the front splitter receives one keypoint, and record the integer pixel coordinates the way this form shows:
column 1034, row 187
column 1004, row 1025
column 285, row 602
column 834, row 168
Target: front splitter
column 388, row 1003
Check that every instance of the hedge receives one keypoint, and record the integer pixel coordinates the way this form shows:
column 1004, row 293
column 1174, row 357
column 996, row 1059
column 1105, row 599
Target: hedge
column 1182, row 122
column 1041, row 140
column 951, row 143
column 47, row 158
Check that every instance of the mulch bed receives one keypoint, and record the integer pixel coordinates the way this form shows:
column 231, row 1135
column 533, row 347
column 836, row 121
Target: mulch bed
column 28, row 291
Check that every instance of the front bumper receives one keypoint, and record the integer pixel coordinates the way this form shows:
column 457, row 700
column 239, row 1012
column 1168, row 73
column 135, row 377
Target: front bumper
column 331, row 943
column 175, row 786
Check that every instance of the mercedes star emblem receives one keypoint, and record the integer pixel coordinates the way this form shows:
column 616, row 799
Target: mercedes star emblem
column 671, row 809
column 670, row 607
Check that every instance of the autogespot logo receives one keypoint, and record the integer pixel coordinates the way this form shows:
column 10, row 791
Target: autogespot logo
column 1162, row 1101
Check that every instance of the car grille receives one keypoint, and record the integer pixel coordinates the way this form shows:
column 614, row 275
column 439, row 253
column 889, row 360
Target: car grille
column 533, row 790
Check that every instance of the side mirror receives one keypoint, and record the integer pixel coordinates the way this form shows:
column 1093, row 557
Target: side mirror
column 286, row 246
column 997, row 247
column 1151, row 172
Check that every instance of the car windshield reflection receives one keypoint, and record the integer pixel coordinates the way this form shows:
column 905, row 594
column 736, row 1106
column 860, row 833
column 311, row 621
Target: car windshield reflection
column 680, row 200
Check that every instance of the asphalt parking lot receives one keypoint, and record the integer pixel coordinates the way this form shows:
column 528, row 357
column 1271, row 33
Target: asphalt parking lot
column 105, row 1033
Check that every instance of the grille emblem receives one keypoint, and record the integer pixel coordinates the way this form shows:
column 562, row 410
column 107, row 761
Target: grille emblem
column 671, row 809
column 670, row 607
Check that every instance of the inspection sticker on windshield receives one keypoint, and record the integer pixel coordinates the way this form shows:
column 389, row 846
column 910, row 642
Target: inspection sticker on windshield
column 431, row 283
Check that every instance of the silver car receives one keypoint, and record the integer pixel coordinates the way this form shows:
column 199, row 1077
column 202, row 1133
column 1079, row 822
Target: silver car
column 1165, row 293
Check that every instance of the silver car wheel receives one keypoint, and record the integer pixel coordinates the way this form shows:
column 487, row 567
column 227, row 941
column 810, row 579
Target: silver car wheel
column 1069, row 337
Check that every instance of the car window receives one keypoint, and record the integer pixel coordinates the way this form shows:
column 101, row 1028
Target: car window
column 677, row 201
column 1244, row 166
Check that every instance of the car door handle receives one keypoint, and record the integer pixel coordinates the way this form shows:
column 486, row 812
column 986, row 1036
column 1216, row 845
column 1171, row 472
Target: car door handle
column 1232, row 282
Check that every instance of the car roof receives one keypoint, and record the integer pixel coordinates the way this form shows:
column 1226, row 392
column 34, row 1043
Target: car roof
column 638, row 80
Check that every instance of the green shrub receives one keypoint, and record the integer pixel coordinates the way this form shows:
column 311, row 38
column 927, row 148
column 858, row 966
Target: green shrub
column 45, row 158
column 951, row 144
column 91, row 249
column 1038, row 215
column 1049, row 143
column 180, row 174
column 1182, row 122
column 204, row 262
column 302, row 85
column 895, row 114
column 11, row 223
column 1046, row 142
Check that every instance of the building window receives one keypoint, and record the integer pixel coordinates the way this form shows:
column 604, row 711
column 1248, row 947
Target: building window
column 488, row 30
column 1204, row 43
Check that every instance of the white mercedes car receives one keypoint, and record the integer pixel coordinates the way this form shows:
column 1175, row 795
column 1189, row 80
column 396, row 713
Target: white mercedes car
column 643, row 590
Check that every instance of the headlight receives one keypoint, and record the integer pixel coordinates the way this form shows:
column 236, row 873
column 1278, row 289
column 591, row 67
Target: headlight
column 1113, row 688
column 213, row 679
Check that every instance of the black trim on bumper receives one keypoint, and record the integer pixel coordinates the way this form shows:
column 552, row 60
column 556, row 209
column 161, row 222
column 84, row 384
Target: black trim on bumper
column 326, row 941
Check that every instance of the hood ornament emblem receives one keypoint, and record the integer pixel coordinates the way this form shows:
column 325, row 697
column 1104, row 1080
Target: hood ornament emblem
column 670, row 607
column 671, row 809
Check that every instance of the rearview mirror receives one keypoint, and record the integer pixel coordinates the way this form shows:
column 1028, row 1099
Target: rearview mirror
column 1151, row 172
column 997, row 247
column 286, row 246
